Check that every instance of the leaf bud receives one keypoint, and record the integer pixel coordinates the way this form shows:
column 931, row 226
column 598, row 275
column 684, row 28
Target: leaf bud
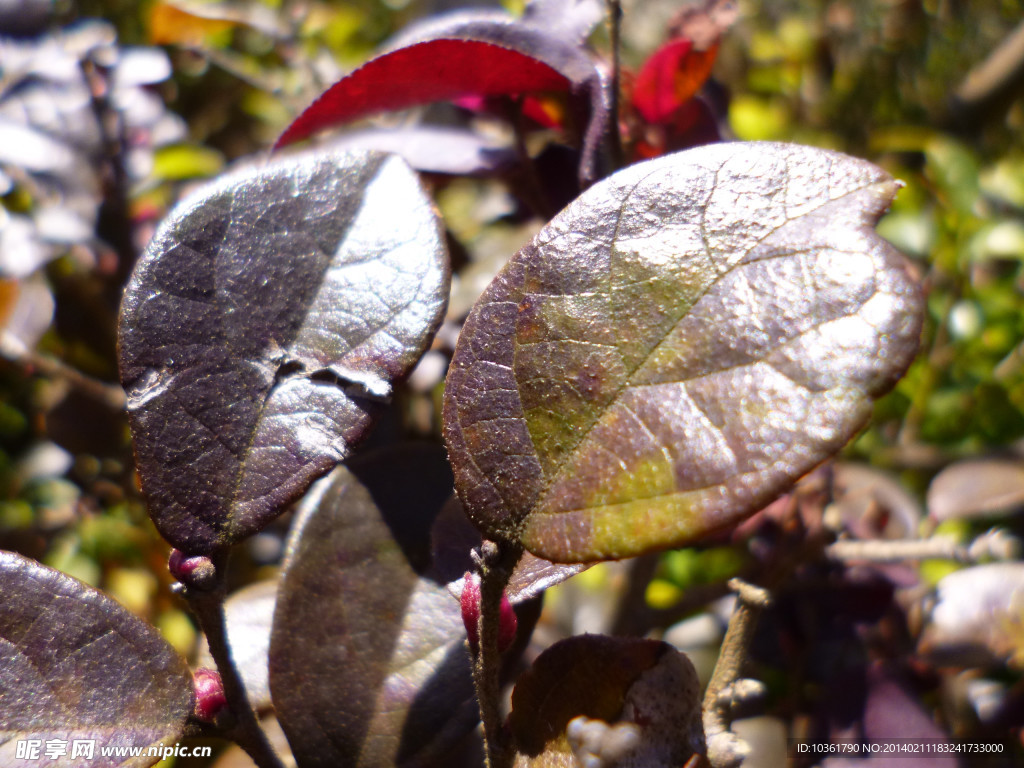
column 210, row 698
column 470, row 602
column 195, row 572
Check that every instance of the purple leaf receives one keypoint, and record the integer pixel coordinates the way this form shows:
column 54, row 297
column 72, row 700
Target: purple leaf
column 263, row 328
column 368, row 664
column 676, row 348
column 76, row 665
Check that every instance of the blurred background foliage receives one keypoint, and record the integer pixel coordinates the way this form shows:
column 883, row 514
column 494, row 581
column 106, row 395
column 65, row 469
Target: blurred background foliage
column 110, row 109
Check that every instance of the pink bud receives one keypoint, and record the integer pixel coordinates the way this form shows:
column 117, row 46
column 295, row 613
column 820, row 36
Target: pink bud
column 507, row 625
column 470, row 602
column 195, row 572
column 210, row 699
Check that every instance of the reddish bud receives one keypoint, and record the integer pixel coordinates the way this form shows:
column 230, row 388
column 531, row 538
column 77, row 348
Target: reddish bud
column 507, row 625
column 210, row 699
column 470, row 602
column 196, row 572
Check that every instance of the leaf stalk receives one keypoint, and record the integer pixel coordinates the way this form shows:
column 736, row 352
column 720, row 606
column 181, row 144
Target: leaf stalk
column 208, row 606
column 496, row 561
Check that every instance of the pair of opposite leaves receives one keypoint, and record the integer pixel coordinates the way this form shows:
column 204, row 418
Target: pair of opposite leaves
column 673, row 350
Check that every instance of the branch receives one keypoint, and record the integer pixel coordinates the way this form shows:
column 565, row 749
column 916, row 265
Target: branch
column 995, row 73
column 496, row 561
column 203, row 585
column 614, row 29
column 12, row 349
column 726, row 749
column 996, row 544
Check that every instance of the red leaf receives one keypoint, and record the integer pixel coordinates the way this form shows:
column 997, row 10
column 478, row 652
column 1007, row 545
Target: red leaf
column 436, row 70
column 672, row 74
column 692, row 124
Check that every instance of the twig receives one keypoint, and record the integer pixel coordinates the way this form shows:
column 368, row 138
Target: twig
column 208, row 606
column 496, row 561
column 614, row 36
column 999, row 69
column 532, row 188
column 632, row 609
column 51, row 367
column 725, row 749
column 114, row 224
column 994, row 545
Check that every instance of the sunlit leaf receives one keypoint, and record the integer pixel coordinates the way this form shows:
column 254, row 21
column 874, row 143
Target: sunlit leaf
column 532, row 575
column 171, row 24
column 184, row 161
column 435, row 149
column 26, row 310
column 75, row 665
column 184, row 22
column 873, row 504
column 570, row 19
column 676, row 348
column 262, row 329
column 368, row 663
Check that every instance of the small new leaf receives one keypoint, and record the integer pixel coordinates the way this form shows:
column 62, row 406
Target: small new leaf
column 262, row 329
column 76, row 665
column 676, row 348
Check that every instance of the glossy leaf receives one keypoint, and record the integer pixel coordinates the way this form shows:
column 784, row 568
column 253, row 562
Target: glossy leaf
column 76, row 665
column 263, row 327
column 676, row 348
column 368, row 663
column 453, row 535
column 532, row 575
column 592, row 694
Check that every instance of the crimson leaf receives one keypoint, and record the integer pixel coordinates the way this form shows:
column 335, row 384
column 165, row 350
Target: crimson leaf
column 469, row 54
column 435, row 70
